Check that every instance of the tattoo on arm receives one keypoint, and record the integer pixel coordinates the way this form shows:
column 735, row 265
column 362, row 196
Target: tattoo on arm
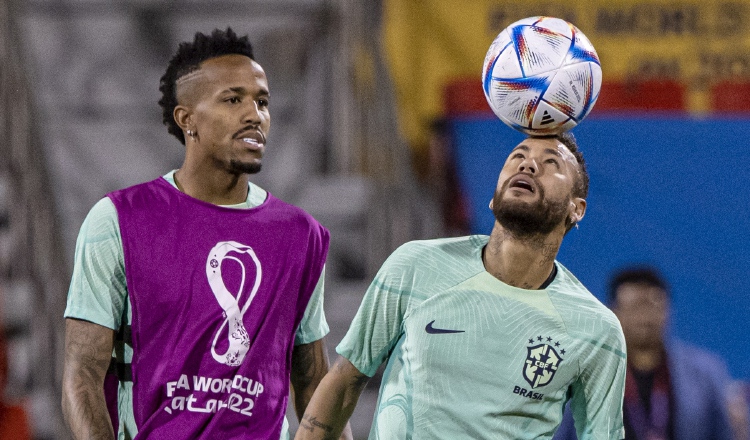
column 359, row 380
column 310, row 423
column 88, row 350
column 309, row 365
column 333, row 404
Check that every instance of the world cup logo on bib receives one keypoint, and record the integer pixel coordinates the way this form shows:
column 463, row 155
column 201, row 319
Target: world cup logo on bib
column 238, row 339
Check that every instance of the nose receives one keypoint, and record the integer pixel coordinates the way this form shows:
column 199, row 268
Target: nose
column 528, row 165
column 252, row 115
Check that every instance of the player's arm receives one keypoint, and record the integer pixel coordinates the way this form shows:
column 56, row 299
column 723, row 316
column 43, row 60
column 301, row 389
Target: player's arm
column 598, row 393
column 381, row 313
column 96, row 303
column 309, row 365
column 88, row 350
column 332, row 404
column 310, row 357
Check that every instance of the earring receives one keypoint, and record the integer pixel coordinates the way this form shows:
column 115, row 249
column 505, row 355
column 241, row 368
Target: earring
column 191, row 133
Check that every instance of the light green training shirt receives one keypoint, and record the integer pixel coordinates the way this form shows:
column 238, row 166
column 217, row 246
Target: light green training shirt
column 470, row 357
column 98, row 292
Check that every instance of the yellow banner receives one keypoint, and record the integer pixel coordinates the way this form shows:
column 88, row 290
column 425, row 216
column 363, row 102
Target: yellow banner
column 429, row 42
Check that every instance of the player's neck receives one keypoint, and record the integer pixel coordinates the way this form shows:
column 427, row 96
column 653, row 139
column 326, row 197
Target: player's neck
column 520, row 262
column 219, row 188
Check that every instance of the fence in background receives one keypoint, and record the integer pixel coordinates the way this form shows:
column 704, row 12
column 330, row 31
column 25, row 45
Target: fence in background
column 33, row 275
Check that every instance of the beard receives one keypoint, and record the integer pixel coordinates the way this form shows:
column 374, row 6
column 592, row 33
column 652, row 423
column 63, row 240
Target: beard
column 244, row 168
column 522, row 219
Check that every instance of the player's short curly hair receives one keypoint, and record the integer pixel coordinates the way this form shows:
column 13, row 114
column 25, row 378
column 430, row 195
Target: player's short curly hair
column 188, row 58
column 581, row 187
column 645, row 275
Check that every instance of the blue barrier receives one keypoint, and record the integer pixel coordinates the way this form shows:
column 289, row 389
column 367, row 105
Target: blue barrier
column 674, row 192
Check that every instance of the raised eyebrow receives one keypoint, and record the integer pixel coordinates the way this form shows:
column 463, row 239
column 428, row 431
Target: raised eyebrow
column 553, row 151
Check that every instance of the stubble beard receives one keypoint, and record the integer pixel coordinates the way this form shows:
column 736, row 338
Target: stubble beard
column 526, row 220
column 238, row 167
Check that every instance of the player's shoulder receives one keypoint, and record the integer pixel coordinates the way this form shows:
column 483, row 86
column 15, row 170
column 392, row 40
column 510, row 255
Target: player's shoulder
column 452, row 246
column 102, row 208
column 144, row 196
column 101, row 216
column 579, row 306
column 434, row 259
column 288, row 208
column 285, row 211
column 137, row 188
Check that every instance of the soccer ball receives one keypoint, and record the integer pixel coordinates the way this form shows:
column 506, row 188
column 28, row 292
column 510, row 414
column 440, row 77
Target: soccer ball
column 541, row 76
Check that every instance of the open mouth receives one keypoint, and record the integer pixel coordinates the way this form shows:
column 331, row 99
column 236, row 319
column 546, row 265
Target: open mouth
column 252, row 137
column 522, row 182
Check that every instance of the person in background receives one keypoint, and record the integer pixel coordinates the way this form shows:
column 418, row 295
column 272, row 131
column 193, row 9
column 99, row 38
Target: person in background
column 673, row 391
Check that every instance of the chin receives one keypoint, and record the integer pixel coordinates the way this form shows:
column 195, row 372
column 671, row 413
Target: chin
column 527, row 219
column 245, row 167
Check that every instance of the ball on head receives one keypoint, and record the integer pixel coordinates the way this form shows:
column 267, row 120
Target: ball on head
column 541, row 76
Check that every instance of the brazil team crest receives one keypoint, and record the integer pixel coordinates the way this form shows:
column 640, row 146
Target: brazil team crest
column 541, row 364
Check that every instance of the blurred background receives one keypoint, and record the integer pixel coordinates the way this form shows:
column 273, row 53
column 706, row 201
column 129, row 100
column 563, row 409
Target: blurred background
column 381, row 131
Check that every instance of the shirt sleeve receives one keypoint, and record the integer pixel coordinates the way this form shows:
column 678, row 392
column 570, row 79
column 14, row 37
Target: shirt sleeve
column 98, row 290
column 313, row 325
column 378, row 324
column 597, row 395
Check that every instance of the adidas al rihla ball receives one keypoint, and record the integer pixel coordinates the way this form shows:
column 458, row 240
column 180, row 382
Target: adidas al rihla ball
column 541, row 76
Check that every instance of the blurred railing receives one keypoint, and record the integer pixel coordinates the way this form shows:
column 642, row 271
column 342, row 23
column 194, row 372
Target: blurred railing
column 32, row 268
column 366, row 139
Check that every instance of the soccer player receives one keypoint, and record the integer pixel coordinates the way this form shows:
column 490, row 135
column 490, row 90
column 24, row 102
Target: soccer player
column 486, row 337
column 208, row 288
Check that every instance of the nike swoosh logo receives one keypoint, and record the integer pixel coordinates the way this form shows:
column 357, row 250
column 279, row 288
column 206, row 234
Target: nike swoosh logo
column 434, row 331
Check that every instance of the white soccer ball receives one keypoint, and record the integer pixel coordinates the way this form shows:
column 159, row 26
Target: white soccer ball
column 541, row 76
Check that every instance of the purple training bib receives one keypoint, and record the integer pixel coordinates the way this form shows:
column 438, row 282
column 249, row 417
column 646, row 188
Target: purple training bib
column 217, row 295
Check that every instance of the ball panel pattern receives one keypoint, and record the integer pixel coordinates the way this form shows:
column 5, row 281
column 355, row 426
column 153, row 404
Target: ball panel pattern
column 517, row 99
column 528, row 41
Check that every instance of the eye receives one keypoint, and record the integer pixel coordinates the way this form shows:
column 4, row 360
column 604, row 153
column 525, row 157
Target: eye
column 233, row 100
column 552, row 161
column 263, row 102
